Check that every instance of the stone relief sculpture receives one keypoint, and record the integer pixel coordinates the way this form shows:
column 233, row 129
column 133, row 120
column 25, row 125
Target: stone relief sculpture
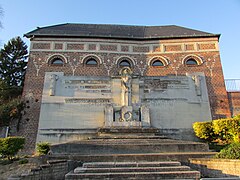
column 52, row 88
column 197, row 79
column 108, row 111
column 126, row 79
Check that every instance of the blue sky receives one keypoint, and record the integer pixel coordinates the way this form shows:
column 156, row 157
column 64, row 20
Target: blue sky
column 214, row 16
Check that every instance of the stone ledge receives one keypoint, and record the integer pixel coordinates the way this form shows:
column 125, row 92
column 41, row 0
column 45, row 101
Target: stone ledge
column 219, row 168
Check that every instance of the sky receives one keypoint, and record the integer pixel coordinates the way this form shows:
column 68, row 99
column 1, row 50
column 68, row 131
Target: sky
column 214, row 16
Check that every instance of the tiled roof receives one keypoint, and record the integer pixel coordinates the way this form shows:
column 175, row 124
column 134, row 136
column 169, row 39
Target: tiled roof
column 117, row 31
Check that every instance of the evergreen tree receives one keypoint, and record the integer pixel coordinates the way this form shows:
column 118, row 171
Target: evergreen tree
column 13, row 62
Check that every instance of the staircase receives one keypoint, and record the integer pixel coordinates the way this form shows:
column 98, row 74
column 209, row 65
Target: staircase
column 133, row 170
column 131, row 154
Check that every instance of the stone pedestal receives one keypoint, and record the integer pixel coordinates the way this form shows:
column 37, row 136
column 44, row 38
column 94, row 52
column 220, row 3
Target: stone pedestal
column 145, row 116
column 126, row 114
column 108, row 111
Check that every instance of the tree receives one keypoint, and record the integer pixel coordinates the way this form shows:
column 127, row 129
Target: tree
column 13, row 62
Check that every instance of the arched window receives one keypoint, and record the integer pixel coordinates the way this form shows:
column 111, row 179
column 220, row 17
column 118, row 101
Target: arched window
column 91, row 62
column 157, row 63
column 124, row 63
column 57, row 61
column 191, row 62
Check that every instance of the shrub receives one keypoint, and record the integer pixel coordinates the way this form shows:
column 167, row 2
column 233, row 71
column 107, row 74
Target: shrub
column 204, row 130
column 23, row 161
column 10, row 146
column 221, row 130
column 43, row 148
column 232, row 151
column 227, row 130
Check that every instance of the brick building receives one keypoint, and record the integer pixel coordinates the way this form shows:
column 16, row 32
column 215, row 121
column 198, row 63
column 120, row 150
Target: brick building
column 163, row 55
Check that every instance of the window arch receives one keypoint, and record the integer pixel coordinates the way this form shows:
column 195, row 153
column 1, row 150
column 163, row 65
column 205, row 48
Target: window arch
column 157, row 63
column 91, row 60
column 124, row 63
column 192, row 60
column 56, row 60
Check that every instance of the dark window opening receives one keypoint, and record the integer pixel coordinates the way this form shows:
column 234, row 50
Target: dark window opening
column 91, row 62
column 124, row 63
column 157, row 63
column 191, row 62
column 57, row 61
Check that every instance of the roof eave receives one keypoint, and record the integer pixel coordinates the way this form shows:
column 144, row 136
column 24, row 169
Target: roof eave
column 121, row 37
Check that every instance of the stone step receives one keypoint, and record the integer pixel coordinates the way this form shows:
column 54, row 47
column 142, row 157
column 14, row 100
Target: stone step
column 130, row 169
column 127, row 147
column 104, row 136
column 131, row 164
column 129, row 131
column 132, row 140
column 136, row 175
column 176, row 156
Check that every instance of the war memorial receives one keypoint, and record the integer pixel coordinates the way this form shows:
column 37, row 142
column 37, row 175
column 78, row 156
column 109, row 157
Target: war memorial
column 122, row 96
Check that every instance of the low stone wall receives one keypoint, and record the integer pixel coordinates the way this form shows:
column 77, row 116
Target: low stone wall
column 217, row 168
column 54, row 170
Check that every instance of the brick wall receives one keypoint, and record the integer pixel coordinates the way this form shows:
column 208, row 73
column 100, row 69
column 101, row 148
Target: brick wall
column 109, row 54
column 55, row 169
column 218, row 168
column 234, row 102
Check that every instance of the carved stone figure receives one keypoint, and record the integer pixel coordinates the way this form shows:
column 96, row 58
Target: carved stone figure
column 197, row 79
column 52, row 88
column 126, row 77
column 108, row 115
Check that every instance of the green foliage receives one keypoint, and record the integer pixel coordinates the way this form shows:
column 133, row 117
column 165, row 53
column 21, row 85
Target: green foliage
column 43, row 148
column 13, row 62
column 8, row 92
column 13, row 66
column 23, row 161
column 232, row 151
column 10, row 146
column 227, row 130
column 11, row 110
column 204, row 130
column 224, row 131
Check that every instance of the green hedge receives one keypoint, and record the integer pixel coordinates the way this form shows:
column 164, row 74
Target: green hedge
column 227, row 130
column 10, row 146
column 43, row 148
column 204, row 130
column 221, row 130
column 232, row 151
